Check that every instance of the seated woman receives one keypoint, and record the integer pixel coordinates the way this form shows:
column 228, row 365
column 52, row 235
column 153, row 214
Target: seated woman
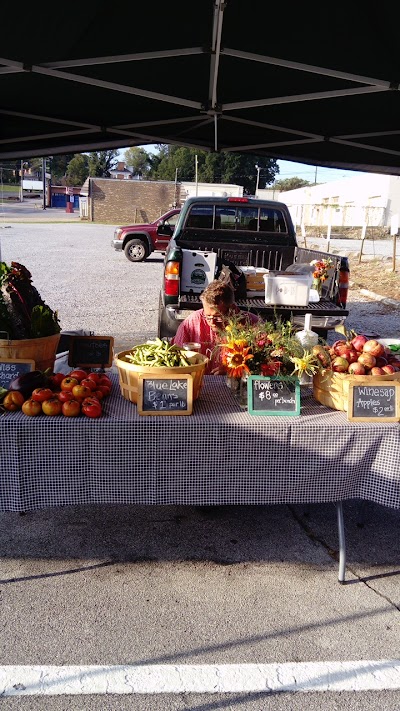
column 204, row 325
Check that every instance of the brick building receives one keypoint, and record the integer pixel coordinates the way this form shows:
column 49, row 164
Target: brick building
column 125, row 202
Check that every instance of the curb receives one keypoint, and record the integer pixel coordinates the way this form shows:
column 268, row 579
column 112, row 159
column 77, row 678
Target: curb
column 377, row 297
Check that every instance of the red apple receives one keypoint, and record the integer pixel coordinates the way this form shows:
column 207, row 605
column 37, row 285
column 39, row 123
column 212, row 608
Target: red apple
column 377, row 371
column 388, row 368
column 374, row 347
column 352, row 356
column 358, row 342
column 338, row 345
column 356, row 368
column 367, row 359
column 340, row 365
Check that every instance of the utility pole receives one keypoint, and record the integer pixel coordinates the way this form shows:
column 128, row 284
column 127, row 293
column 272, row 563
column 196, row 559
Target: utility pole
column 195, row 172
column 21, row 189
column 44, row 181
column 257, row 167
column 315, row 178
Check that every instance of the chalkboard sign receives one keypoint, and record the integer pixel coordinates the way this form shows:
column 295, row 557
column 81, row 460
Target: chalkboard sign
column 374, row 401
column 91, row 351
column 11, row 368
column 273, row 395
column 165, row 395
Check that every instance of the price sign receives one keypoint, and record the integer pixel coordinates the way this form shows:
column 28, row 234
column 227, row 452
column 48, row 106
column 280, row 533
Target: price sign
column 11, row 368
column 91, row 351
column 374, row 401
column 273, row 396
column 165, row 395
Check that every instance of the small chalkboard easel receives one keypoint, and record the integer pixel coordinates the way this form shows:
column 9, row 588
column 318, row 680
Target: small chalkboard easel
column 91, row 352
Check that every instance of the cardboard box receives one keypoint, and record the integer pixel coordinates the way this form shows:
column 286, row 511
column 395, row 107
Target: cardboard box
column 198, row 270
column 286, row 288
column 255, row 280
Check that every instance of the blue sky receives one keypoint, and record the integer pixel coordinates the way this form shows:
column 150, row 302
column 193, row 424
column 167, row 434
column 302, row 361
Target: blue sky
column 295, row 170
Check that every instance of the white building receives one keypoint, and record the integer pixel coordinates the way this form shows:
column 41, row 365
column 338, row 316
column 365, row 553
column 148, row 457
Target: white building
column 369, row 200
column 210, row 190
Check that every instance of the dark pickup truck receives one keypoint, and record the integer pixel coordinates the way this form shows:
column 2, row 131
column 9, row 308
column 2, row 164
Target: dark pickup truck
column 212, row 232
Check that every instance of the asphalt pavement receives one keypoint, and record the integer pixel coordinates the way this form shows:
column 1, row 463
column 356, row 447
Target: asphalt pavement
column 168, row 587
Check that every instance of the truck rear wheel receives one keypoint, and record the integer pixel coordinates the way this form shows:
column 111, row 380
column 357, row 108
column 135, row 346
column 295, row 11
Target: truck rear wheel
column 136, row 250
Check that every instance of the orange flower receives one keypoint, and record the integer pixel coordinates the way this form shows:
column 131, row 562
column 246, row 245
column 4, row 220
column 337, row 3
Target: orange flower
column 236, row 356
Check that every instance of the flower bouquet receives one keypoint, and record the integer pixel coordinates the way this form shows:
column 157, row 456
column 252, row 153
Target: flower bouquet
column 320, row 273
column 264, row 348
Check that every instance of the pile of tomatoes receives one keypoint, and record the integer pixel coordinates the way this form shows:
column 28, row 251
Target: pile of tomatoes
column 72, row 394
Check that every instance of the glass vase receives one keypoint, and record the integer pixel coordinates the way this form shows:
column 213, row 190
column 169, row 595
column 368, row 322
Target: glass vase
column 243, row 392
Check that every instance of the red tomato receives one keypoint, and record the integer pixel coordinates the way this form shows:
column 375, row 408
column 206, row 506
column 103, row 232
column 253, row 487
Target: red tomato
column 32, row 407
column 105, row 389
column 78, row 373
column 89, row 382
column 13, row 400
column 65, row 395
column 98, row 394
column 95, row 377
column 105, row 380
column 55, row 380
column 42, row 394
column 91, row 407
column 68, row 383
column 52, row 406
column 71, row 408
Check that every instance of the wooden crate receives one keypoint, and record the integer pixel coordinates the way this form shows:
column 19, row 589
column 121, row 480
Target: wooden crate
column 332, row 389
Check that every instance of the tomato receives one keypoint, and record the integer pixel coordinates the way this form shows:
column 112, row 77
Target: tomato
column 105, row 380
column 98, row 394
column 65, row 395
column 32, row 407
column 68, row 383
column 95, row 377
column 71, row 408
column 105, row 389
column 13, row 400
column 89, row 382
column 78, row 373
column 52, row 406
column 91, row 407
column 42, row 394
column 55, row 380
column 81, row 391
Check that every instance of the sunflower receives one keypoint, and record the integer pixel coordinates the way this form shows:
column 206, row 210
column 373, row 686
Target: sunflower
column 236, row 355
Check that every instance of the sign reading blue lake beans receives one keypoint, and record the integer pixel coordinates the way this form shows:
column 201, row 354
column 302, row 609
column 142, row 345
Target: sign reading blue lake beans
column 165, row 394
column 273, row 395
column 11, row 368
column 91, row 351
column 374, row 401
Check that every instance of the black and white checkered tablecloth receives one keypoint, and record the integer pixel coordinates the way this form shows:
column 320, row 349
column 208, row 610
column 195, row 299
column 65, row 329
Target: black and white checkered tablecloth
column 218, row 455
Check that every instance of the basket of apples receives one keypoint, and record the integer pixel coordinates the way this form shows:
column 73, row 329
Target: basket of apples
column 354, row 358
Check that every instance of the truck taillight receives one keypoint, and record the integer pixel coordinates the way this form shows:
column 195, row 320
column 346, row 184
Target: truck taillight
column 344, row 276
column 172, row 278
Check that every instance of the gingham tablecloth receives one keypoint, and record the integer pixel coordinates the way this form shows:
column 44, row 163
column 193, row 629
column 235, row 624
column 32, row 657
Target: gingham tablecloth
column 218, row 455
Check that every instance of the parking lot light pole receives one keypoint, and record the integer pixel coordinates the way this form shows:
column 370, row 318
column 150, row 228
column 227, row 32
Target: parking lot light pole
column 44, row 182
column 257, row 167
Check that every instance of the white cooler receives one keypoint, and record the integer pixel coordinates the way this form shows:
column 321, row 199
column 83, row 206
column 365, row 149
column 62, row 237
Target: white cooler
column 287, row 289
column 198, row 270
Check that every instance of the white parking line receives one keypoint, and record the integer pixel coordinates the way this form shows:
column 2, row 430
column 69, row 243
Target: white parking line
column 383, row 674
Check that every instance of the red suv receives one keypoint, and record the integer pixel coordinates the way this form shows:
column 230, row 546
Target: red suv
column 139, row 241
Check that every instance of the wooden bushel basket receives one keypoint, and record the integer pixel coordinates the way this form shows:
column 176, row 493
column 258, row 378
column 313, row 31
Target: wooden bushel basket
column 128, row 373
column 332, row 389
column 41, row 350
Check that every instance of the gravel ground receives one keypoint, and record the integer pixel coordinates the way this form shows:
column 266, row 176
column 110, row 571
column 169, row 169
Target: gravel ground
column 94, row 288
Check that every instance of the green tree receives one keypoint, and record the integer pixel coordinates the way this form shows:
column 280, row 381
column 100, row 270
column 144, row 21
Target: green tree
column 236, row 168
column 139, row 160
column 58, row 167
column 77, row 170
column 290, row 183
column 101, row 162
